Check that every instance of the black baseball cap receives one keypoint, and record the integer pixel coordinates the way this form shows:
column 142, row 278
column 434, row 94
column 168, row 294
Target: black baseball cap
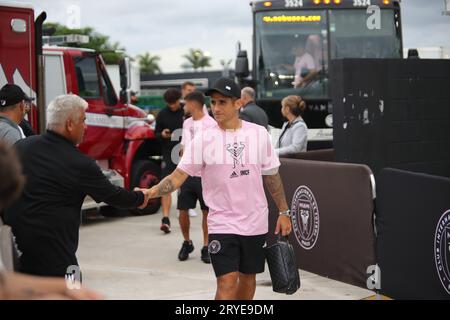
column 225, row 86
column 11, row 94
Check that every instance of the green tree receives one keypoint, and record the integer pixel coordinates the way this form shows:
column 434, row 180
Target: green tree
column 149, row 64
column 97, row 41
column 196, row 59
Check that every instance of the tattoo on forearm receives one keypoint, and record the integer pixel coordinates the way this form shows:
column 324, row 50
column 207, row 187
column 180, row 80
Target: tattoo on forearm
column 276, row 189
column 165, row 187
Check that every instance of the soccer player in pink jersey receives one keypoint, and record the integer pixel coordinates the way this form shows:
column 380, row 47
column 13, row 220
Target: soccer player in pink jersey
column 231, row 158
column 191, row 190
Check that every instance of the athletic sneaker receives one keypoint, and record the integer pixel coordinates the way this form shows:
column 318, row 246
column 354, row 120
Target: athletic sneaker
column 205, row 255
column 192, row 213
column 165, row 225
column 186, row 248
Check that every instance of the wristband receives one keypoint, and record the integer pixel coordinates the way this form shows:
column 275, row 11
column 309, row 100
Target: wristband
column 286, row 213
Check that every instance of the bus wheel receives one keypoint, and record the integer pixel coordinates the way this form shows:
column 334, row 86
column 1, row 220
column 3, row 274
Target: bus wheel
column 146, row 174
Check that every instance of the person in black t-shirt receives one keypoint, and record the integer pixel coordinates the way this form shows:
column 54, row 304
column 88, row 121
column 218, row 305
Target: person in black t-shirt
column 169, row 124
column 46, row 218
column 17, row 286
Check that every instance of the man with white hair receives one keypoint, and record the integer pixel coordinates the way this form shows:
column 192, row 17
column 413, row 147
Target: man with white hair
column 250, row 111
column 46, row 218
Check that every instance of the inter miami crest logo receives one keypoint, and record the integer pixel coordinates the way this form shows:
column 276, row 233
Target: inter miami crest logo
column 214, row 247
column 442, row 250
column 305, row 217
column 237, row 151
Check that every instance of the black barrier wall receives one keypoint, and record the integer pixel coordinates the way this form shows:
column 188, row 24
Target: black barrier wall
column 413, row 241
column 332, row 213
column 392, row 113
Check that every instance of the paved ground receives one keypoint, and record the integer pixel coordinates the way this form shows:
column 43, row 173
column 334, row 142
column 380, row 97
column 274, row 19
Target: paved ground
column 130, row 258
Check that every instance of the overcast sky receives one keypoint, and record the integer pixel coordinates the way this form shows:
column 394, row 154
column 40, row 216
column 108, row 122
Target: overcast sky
column 169, row 28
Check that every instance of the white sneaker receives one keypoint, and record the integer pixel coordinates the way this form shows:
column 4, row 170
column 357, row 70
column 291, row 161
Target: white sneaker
column 192, row 213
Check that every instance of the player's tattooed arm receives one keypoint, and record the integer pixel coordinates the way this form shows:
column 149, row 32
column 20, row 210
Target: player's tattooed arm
column 276, row 189
column 168, row 184
column 165, row 187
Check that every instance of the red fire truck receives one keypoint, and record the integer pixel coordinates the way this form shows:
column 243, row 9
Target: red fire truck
column 120, row 136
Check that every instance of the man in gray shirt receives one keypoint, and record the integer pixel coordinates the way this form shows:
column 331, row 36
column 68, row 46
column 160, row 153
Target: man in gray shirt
column 13, row 106
column 250, row 111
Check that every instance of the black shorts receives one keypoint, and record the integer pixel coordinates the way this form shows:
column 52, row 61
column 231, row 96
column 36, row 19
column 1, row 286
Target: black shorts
column 190, row 192
column 167, row 167
column 232, row 253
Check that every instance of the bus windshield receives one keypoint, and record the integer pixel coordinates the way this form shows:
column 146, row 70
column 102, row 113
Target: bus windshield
column 292, row 51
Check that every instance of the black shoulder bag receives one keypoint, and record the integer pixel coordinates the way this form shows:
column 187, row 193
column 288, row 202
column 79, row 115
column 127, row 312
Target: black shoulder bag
column 282, row 267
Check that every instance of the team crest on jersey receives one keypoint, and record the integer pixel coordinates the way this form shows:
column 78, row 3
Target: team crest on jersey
column 237, row 152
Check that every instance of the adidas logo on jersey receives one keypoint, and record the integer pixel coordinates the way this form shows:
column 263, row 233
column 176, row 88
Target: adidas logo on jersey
column 234, row 175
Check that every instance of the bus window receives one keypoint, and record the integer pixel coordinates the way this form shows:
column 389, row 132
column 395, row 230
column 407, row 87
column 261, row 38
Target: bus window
column 351, row 38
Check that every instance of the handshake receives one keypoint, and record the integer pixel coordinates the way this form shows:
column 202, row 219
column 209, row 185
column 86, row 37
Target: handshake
column 148, row 194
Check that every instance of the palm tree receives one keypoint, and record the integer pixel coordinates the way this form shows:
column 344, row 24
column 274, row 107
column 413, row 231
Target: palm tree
column 197, row 59
column 149, row 64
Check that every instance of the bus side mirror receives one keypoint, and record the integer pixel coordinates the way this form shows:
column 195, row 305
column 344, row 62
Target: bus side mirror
column 241, row 68
column 125, row 80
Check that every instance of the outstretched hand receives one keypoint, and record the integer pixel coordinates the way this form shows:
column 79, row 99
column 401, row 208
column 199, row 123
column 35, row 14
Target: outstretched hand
column 148, row 194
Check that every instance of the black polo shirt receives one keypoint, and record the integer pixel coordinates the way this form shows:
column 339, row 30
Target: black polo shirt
column 46, row 218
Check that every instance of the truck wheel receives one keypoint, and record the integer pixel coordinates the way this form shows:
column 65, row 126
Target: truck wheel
column 146, row 174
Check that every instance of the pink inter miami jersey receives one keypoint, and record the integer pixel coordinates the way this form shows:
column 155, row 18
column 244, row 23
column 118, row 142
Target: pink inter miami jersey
column 231, row 164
